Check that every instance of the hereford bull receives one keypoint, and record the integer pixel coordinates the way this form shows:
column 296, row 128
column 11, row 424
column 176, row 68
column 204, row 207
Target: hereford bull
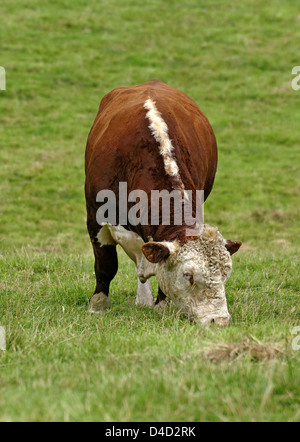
column 152, row 136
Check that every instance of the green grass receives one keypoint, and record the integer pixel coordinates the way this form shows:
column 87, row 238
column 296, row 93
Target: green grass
column 136, row 364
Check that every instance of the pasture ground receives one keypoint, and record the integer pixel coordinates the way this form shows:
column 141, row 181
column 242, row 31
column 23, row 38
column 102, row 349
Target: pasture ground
column 136, row 364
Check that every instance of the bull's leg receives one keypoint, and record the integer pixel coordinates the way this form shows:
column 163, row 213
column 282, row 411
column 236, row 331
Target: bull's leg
column 144, row 294
column 106, row 266
column 161, row 300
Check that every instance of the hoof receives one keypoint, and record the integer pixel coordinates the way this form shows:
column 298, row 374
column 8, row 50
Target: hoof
column 145, row 302
column 144, row 295
column 99, row 303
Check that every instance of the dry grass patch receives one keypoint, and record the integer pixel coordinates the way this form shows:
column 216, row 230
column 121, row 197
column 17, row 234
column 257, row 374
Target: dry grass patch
column 233, row 351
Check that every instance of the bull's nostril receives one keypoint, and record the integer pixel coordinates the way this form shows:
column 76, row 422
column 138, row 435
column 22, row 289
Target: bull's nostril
column 222, row 322
column 212, row 321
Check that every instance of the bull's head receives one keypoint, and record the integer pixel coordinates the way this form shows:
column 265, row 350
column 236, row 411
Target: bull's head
column 193, row 275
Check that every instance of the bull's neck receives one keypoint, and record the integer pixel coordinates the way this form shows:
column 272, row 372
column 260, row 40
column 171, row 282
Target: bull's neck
column 161, row 233
column 171, row 233
column 170, row 229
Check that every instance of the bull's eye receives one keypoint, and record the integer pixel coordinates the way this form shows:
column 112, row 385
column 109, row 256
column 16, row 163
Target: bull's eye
column 189, row 278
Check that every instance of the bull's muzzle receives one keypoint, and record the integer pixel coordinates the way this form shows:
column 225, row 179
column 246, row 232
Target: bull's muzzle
column 222, row 322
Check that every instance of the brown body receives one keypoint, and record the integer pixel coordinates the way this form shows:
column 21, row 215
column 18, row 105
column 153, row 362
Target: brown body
column 121, row 148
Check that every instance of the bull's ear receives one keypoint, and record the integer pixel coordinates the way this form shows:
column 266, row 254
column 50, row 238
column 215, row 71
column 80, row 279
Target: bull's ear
column 155, row 252
column 232, row 246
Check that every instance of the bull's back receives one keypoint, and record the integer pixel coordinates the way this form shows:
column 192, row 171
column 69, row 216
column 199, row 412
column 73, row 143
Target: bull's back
column 121, row 147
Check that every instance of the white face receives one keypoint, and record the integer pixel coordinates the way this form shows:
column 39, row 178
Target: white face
column 193, row 276
column 196, row 286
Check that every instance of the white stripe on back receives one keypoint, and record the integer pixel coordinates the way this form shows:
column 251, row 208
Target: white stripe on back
column 159, row 130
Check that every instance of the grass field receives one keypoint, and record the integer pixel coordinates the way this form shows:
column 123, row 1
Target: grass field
column 136, row 364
